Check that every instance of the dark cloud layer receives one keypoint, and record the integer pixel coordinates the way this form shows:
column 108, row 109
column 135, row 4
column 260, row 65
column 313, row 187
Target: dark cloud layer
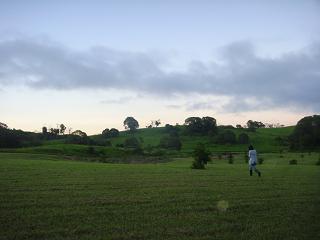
column 290, row 80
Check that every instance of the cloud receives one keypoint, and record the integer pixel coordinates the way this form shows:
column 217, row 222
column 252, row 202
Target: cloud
column 250, row 81
column 121, row 100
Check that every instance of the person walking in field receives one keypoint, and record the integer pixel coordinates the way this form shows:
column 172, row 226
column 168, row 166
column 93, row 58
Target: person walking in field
column 252, row 154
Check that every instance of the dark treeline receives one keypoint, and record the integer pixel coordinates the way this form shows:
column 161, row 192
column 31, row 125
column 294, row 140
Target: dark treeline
column 12, row 138
column 306, row 134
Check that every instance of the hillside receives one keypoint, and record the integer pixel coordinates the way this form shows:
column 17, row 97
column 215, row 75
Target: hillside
column 264, row 140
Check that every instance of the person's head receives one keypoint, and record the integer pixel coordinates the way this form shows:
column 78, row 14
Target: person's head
column 251, row 147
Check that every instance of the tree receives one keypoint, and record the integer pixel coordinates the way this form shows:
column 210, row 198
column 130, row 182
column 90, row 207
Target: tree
column 62, row 129
column 78, row 137
column 105, row 132
column 243, row 138
column 201, row 157
column 110, row 133
column 306, row 134
column 238, row 126
column 3, row 125
column 44, row 130
column 253, row 125
column 157, row 122
column 202, row 126
column 193, row 125
column 79, row 133
column 131, row 124
column 54, row 131
column 209, row 125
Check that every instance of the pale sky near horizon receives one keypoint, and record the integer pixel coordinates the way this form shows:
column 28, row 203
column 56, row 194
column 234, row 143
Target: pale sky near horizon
column 90, row 64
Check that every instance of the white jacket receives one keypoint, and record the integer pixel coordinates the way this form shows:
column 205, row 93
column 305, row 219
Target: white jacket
column 252, row 157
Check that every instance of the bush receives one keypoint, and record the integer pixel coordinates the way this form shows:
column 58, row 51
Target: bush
column 318, row 162
column 172, row 130
column 91, row 150
column 293, row 162
column 113, row 132
column 171, row 142
column 226, row 137
column 131, row 142
column 230, row 158
column 260, row 160
column 76, row 139
column 243, row 138
column 306, row 135
column 201, row 157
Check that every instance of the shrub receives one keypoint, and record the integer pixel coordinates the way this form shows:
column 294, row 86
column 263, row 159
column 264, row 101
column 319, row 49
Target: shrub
column 230, row 158
column 201, row 157
column 131, row 142
column 108, row 144
column 318, row 162
column 171, row 142
column 293, row 162
column 91, row 150
column 113, row 132
column 260, row 160
column 226, row 137
column 243, row 138
column 77, row 139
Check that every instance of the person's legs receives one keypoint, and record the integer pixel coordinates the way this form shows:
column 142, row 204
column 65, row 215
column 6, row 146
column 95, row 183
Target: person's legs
column 257, row 171
column 250, row 170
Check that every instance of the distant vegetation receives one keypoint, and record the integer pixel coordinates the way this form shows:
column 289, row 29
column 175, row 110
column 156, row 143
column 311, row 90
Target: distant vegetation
column 178, row 140
column 306, row 135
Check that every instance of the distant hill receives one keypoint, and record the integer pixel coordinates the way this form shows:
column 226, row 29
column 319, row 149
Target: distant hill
column 264, row 140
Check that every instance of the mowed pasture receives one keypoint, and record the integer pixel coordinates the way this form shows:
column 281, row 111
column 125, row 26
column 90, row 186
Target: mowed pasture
column 47, row 197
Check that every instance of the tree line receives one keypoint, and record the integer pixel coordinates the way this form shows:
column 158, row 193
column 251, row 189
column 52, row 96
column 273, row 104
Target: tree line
column 306, row 134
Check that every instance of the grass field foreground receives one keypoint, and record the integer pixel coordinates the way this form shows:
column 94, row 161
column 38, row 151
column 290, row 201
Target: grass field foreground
column 43, row 197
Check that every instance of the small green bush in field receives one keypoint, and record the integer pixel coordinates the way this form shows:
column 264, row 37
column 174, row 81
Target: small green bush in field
column 201, row 157
column 260, row 160
column 293, row 162
column 230, row 158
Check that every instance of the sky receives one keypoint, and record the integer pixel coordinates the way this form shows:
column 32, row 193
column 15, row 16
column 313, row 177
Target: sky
column 90, row 64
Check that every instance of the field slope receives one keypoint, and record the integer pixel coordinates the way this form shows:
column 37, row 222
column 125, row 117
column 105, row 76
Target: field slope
column 43, row 197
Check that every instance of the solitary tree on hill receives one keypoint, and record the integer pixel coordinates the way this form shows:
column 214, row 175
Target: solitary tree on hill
column 131, row 124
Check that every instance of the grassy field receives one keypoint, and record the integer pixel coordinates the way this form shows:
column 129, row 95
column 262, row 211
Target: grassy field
column 44, row 197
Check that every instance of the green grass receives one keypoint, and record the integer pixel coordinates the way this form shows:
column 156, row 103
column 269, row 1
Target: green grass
column 262, row 139
column 42, row 197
